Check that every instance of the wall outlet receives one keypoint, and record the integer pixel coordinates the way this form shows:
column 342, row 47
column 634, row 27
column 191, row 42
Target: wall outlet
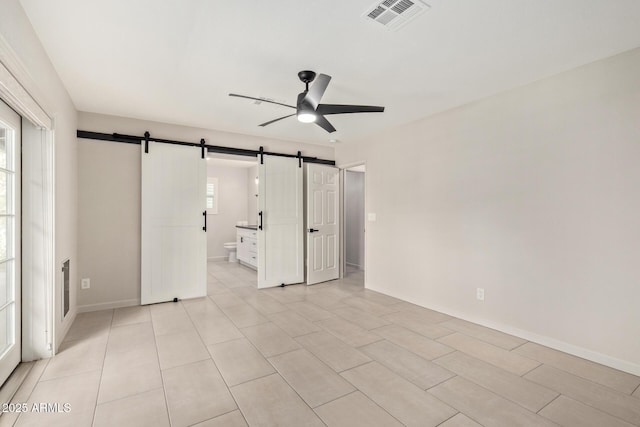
column 480, row 294
column 85, row 284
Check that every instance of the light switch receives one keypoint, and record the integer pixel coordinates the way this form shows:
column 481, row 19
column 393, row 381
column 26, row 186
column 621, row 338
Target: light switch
column 371, row 216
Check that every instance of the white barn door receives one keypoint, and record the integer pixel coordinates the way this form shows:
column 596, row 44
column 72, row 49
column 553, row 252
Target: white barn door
column 323, row 227
column 174, row 241
column 280, row 222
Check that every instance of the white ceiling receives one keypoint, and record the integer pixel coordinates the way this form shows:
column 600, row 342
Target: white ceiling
column 175, row 61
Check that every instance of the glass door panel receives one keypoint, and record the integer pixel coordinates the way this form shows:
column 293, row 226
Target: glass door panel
column 10, row 346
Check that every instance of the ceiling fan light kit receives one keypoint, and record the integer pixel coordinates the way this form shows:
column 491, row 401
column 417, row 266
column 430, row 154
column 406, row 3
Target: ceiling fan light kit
column 306, row 117
column 308, row 107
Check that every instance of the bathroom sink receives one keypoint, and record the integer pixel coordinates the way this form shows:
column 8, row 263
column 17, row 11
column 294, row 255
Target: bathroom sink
column 250, row 227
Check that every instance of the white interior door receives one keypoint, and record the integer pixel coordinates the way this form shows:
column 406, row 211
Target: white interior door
column 280, row 222
column 323, row 226
column 174, row 241
column 10, row 267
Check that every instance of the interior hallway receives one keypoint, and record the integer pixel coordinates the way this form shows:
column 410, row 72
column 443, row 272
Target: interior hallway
column 332, row 354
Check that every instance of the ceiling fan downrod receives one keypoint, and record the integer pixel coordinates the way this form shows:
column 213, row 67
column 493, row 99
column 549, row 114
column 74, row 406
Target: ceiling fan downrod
column 306, row 77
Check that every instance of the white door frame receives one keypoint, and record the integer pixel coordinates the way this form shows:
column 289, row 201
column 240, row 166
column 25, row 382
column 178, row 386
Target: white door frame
column 38, row 250
column 343, row 235
column 39, row 323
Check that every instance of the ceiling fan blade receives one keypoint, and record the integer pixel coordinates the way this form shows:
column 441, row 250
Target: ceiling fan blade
column 324, row 123
column 275, row 120
column 344, row 109
column 261, row 100
column 314, row 95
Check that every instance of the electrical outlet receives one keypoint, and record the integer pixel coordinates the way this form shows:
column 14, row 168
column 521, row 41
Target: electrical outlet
column 480, row 294
column 85, row 284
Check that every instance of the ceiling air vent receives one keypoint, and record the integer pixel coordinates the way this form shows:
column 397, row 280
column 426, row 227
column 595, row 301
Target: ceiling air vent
column 393, row 14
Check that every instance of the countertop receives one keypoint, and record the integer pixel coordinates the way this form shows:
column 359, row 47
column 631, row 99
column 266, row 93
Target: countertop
column 248, row 227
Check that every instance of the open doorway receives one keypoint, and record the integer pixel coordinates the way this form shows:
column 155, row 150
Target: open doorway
column 260, row 208
column 232, row 210
column 354, row 221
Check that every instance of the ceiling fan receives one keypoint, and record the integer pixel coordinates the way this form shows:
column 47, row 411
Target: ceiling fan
column 308, row 108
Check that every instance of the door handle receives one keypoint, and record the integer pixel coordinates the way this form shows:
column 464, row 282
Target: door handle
column 204, row 214
column 260, row 214
column 311, row 230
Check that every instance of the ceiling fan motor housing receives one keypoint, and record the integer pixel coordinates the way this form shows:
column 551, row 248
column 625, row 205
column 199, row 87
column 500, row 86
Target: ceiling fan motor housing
column 306, row 76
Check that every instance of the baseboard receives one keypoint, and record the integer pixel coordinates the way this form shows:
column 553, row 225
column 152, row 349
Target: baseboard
column 64, row 327
column 108, row 305
column 359, row 267
column 594, row 356
column 217, row 258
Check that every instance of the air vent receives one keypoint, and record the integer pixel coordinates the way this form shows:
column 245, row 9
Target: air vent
column 394, row 14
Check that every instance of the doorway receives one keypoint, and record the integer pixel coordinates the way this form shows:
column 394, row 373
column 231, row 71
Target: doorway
column 232, row 211
column 10, row 238
column 262, row 203
column 354, row 220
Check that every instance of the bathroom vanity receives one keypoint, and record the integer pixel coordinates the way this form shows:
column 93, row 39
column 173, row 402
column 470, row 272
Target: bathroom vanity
column 247, row 245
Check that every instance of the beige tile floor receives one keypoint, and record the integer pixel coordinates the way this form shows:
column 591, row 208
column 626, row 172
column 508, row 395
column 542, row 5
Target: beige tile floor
column 333, row 354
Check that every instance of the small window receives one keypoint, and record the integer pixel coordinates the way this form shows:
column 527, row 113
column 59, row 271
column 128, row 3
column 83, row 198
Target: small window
column 212, row 195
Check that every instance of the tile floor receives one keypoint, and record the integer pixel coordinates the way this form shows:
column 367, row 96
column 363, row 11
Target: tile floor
column 333, row 354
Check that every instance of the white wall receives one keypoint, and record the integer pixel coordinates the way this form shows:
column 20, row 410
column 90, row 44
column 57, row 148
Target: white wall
column 354, row 218
column 109, row 208
column 532, row 195
column 232, row 207
column 40, row 79
column 109, row 201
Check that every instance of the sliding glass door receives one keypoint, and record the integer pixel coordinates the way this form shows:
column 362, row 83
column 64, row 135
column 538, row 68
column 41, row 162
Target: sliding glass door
column 9, row 241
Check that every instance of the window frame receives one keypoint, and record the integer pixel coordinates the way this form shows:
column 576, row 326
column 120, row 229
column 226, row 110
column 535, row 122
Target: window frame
column 213, row 181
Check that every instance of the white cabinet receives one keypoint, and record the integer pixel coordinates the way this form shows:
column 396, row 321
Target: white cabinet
column 247, row 246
